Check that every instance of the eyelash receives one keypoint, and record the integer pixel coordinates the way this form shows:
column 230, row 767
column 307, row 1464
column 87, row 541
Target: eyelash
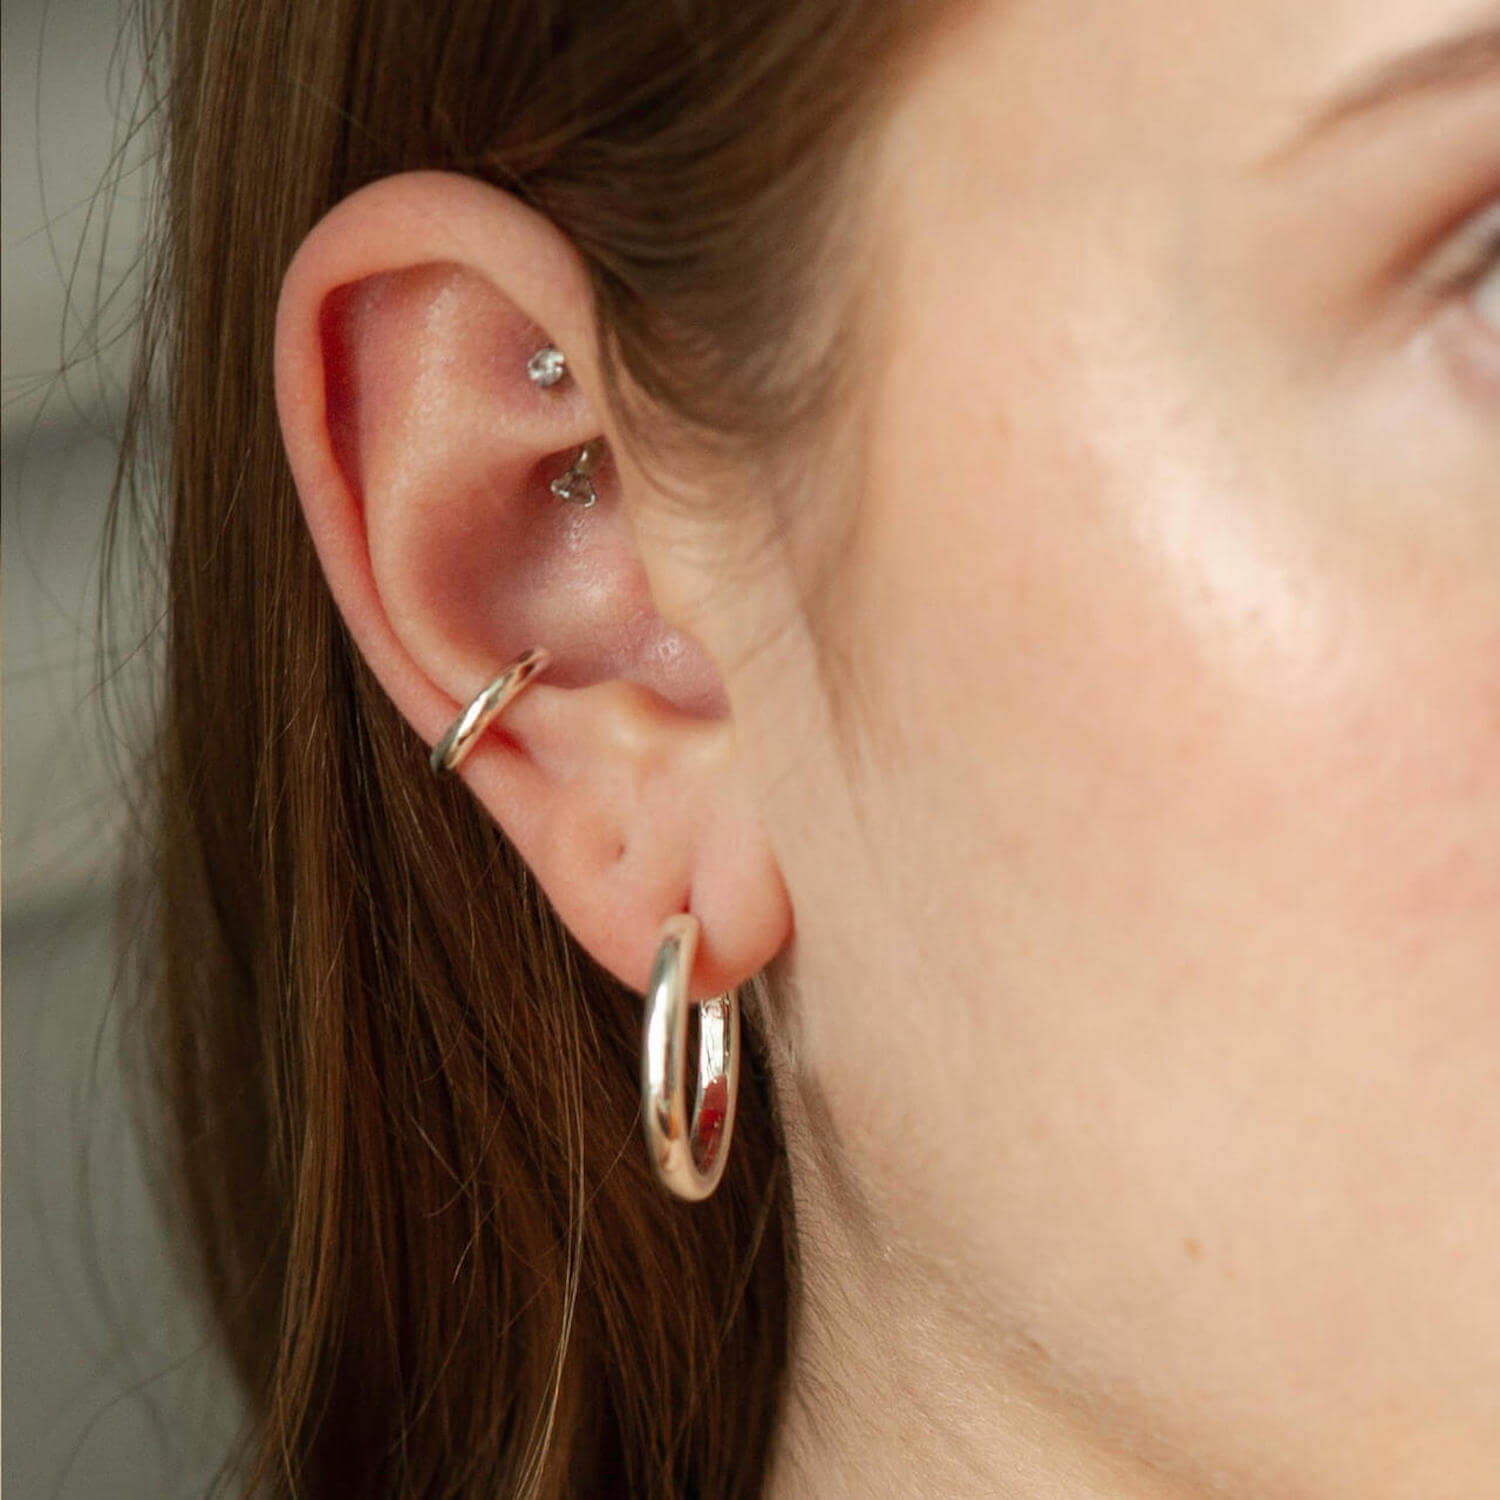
column 1459, row 269
column 1464, row 258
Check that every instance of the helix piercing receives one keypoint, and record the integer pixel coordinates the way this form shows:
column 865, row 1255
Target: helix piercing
column 486, row 705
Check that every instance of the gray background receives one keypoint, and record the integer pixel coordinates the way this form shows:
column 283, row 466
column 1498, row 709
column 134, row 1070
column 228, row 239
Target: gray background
column 108, row 1386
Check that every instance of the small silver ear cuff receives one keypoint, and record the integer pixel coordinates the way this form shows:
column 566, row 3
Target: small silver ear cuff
column 484, row 708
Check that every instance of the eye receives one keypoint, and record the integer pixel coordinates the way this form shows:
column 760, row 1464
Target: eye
column 1468, row 266
column 1484, row 296
column 1460, row 289
column 1468, row 328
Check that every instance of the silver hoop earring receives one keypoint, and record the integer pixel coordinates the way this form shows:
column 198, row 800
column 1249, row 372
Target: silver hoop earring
column 485, row 707
column 688, row 1155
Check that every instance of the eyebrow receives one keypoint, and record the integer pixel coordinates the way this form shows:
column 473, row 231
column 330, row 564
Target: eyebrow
column 1448, row 63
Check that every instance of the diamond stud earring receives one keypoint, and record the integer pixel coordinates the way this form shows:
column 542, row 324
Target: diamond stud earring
column 547, row 366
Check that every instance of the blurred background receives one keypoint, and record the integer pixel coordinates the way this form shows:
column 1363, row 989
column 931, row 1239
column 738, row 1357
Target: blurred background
column 108, row 1386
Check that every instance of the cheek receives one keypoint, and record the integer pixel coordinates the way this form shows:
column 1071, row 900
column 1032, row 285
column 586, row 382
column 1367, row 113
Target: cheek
column 1189, row 794
column 1156, row 682
column 1166, row 727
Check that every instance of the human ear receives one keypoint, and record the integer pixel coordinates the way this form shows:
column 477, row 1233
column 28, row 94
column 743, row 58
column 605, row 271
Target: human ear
column 422, row 453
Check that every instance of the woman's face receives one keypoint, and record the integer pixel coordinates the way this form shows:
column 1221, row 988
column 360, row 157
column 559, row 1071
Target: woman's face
column 1149, row 955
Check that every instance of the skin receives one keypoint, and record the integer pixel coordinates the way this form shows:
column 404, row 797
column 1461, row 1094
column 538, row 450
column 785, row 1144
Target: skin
column 1140, row 941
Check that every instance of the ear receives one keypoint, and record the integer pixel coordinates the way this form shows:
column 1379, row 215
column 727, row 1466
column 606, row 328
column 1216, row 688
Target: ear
column 422, row 453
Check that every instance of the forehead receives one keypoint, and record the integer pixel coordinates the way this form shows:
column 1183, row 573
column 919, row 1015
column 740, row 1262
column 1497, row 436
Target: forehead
column 1178, row 78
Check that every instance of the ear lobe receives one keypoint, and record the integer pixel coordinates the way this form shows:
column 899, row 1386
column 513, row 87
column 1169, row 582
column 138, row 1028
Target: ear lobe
column 423, row 453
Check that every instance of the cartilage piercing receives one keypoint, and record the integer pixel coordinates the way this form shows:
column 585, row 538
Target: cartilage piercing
column 576, row 483
column 547, row 366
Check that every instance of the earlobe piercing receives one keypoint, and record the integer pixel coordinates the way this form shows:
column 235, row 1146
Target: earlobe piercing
column 687, row 1150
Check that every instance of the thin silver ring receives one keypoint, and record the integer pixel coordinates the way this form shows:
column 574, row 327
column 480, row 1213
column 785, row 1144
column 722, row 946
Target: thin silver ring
column 464, row 733
column 688, row 1155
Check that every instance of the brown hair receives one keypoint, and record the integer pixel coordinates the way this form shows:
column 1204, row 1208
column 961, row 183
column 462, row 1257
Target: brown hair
column 398, row 1102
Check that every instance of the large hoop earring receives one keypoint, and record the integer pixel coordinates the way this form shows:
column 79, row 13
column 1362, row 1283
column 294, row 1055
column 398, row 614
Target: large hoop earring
column 688, row 1155
column 483, row 709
